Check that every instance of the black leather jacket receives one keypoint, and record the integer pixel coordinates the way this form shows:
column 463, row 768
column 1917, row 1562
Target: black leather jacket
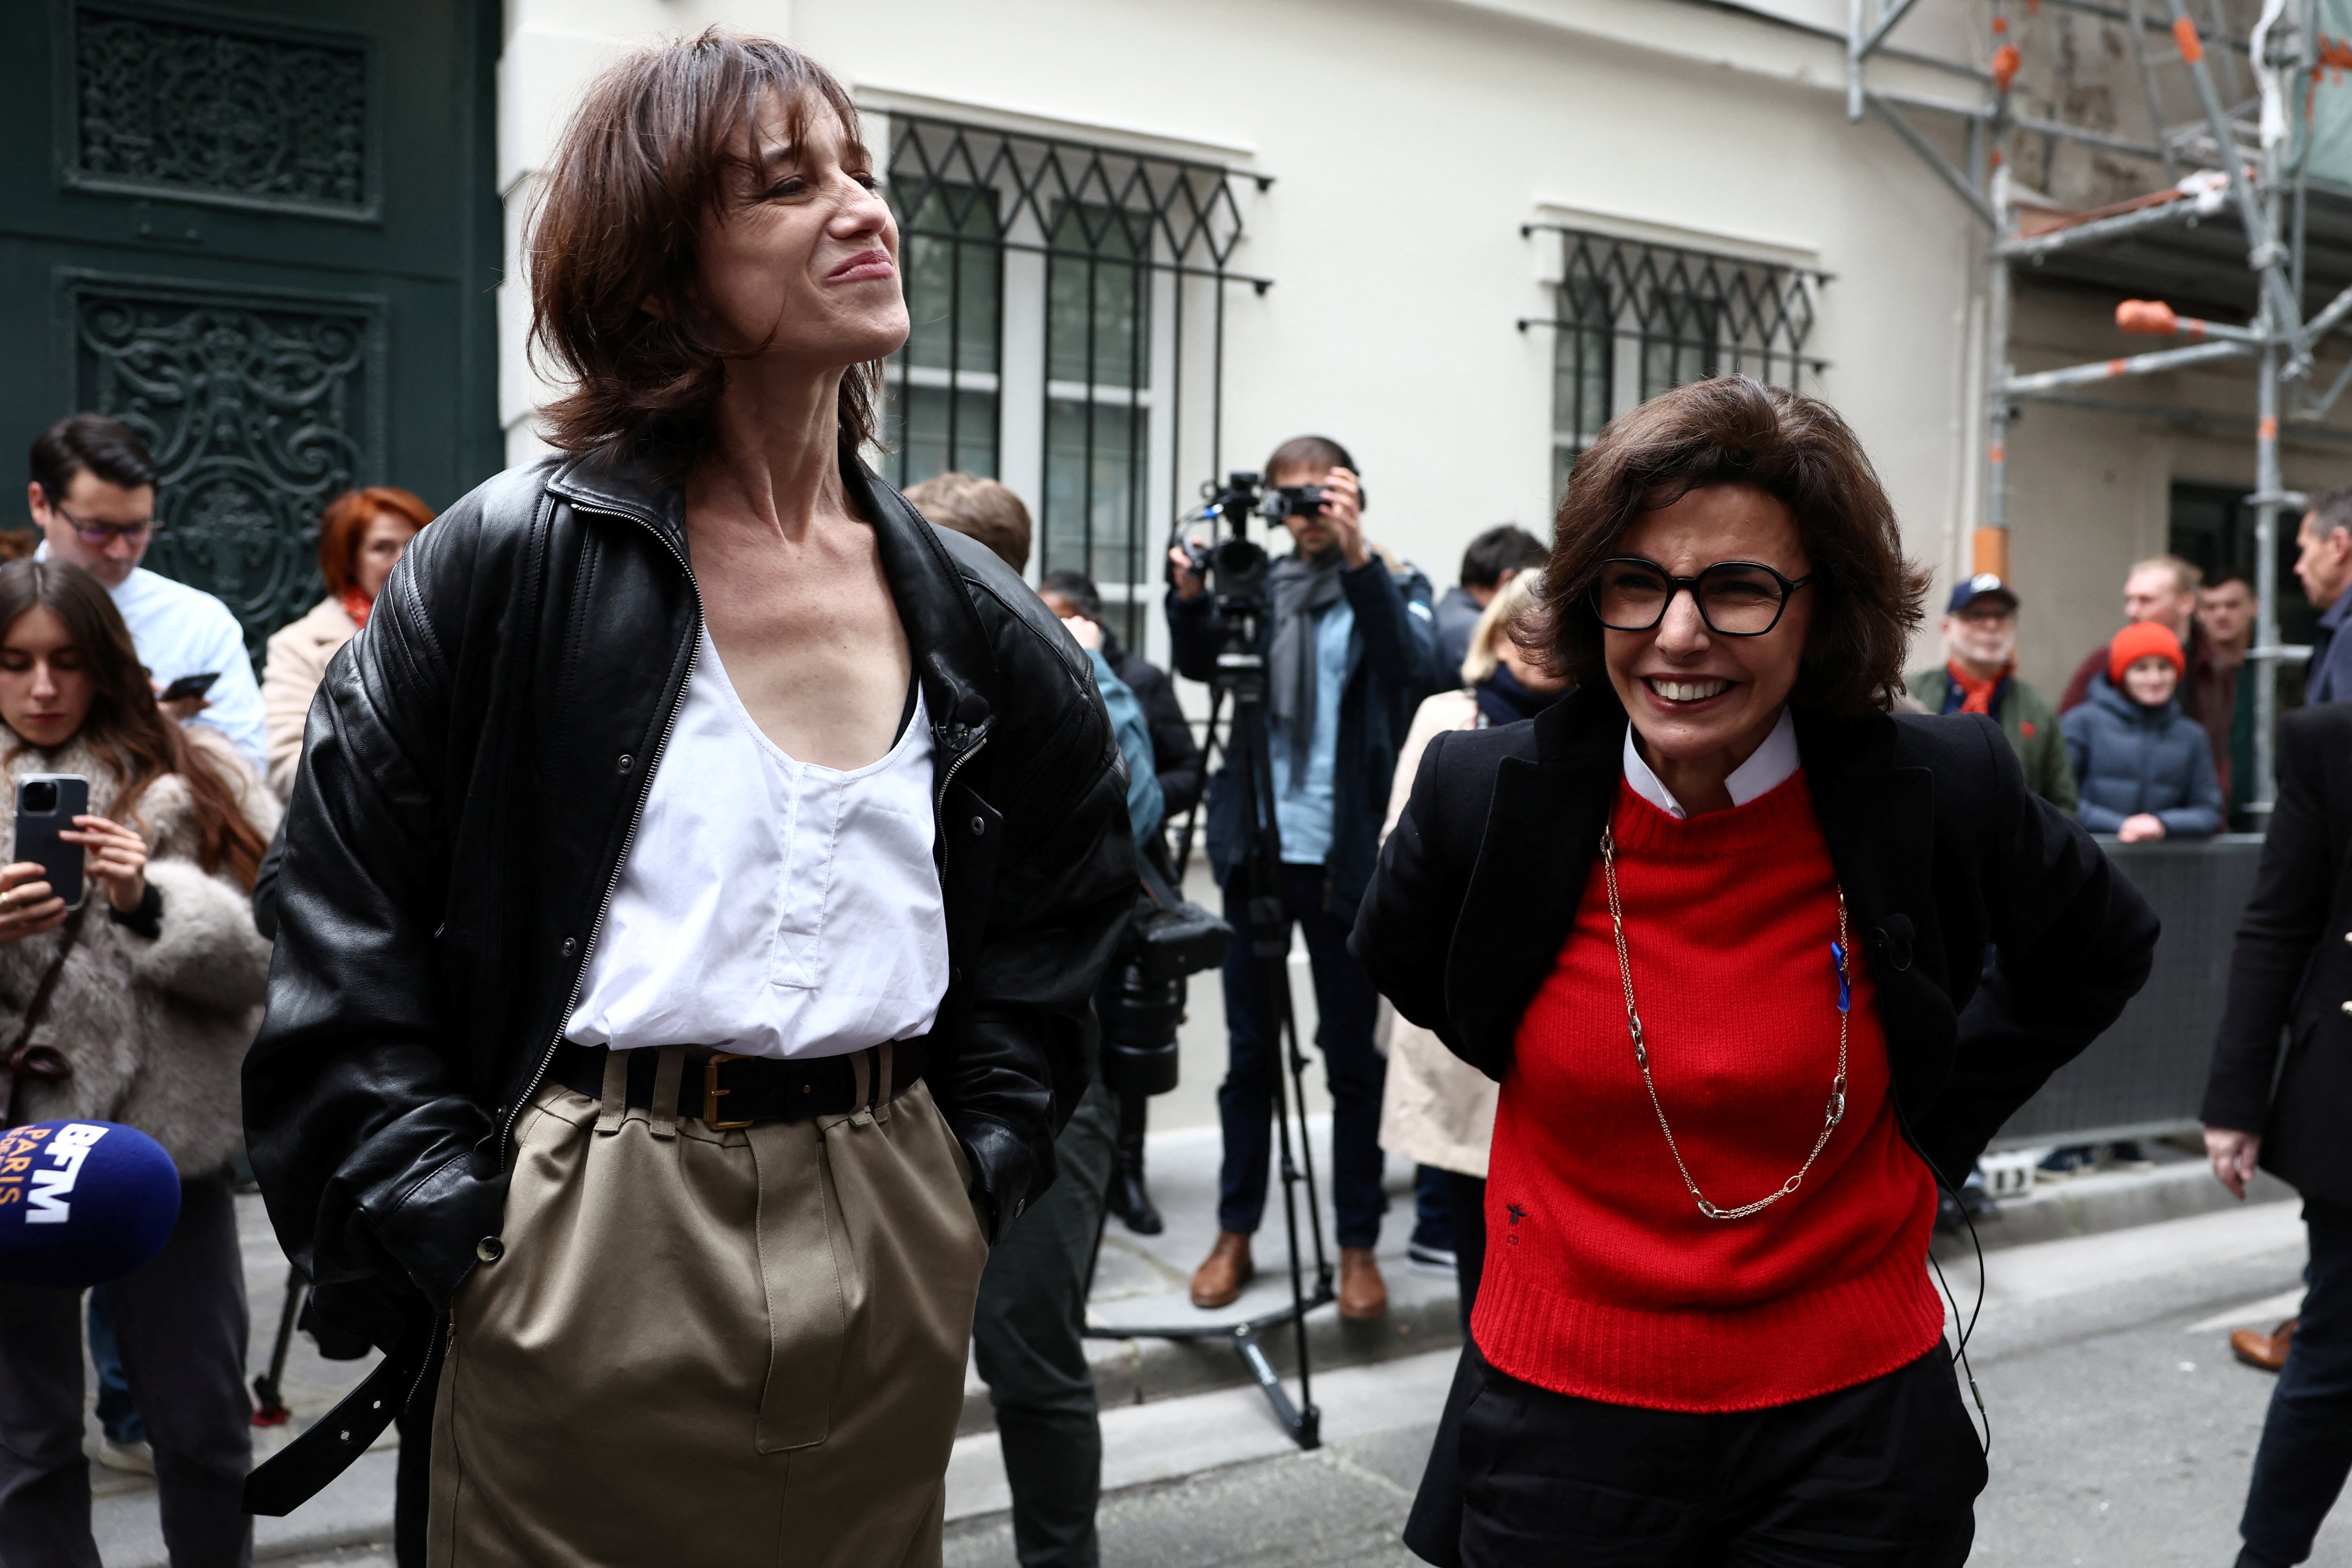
column 475, row 763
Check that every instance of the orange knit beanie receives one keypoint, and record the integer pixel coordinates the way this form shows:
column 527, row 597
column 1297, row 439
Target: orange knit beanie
column 2143, row 639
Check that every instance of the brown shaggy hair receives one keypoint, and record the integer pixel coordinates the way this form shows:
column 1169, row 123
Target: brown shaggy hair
column 124, row 726
column 1735, row 430
column 652, row 154
column 345, row 522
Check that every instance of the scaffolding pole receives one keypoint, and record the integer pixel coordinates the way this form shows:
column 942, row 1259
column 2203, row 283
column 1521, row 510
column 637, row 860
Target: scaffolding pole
column 2278, row 339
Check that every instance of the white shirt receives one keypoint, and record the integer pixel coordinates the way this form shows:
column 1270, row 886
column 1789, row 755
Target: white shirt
column 179, row 630
column 1772, row 766
column 770, row 907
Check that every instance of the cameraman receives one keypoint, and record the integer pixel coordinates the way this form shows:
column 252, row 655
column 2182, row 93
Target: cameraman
column 1350, row 649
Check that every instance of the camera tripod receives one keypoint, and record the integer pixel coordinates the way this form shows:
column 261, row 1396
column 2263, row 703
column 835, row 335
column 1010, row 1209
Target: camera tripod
column 1238, row 571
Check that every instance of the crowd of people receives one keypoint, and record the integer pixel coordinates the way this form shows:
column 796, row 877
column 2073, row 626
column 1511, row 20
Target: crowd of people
column 688, row 883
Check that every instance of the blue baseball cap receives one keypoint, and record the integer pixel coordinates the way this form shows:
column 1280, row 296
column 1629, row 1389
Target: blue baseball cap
column 1967, row 592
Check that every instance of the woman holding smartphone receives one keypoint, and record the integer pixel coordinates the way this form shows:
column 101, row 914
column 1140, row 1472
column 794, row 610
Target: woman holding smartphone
column 154, row 983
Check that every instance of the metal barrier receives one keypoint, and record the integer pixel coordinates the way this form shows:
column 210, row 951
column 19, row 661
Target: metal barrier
column 2145, row 1076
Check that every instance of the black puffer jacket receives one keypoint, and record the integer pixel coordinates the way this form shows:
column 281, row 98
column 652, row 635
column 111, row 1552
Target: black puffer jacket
column 476, row 761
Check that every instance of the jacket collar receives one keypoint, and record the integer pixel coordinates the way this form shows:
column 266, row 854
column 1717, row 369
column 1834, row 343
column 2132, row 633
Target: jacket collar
column 943, row 630
column 616, row 480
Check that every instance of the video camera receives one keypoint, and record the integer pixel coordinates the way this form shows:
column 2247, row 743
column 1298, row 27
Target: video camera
column 1233, row 567
column 1170, row 938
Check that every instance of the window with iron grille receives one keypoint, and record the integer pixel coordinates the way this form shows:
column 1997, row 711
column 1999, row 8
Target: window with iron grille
column 1633, row 319
column 1068, row 321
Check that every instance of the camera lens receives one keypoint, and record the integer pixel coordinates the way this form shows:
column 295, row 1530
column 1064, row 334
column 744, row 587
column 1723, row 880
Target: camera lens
column 41, row 796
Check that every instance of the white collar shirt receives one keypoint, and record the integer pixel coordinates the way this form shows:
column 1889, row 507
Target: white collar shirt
column 768, row 906
column 1772, row 764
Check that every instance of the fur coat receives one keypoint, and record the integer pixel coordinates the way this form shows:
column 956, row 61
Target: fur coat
column 156, row 1029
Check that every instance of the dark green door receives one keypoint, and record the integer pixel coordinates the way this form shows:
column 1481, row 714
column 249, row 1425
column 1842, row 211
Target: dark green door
column 266, row 235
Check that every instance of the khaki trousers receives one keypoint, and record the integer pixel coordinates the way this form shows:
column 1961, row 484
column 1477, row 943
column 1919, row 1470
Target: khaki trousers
column 720, row 1348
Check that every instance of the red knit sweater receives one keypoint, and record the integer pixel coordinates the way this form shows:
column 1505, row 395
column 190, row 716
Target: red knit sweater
column 1602, row 1279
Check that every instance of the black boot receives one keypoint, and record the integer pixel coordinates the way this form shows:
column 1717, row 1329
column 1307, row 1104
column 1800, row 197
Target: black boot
column 1128, row 1199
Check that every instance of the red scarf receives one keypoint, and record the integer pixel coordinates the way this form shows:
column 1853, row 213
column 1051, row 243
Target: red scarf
column 357, row 604
column 1979, row 692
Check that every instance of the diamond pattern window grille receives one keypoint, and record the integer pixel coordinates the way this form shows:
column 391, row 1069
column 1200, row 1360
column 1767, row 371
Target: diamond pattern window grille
column 1069, row 315
column 1633, row 319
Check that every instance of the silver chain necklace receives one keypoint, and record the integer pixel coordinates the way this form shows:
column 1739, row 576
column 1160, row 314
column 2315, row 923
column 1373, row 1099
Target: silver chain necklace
column 1833, row 1114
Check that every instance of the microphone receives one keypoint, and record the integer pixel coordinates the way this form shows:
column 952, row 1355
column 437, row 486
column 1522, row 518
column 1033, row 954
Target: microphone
column 82, row 1202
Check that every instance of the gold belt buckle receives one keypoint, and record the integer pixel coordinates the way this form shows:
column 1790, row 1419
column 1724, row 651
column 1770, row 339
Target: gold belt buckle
column 712, row 1094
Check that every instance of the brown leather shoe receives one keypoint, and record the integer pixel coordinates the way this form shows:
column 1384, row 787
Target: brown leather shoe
column 1363, row 1292
column 1218, row 1282
column 2258, row 1348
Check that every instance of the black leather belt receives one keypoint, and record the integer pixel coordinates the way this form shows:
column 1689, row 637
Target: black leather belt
column 726, row 1090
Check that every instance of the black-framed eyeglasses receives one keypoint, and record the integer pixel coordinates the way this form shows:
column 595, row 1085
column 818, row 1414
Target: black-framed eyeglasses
column 105, row 534
column 1735, row 598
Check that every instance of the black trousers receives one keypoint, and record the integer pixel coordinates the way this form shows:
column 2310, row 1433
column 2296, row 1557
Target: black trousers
column 1026, row 1338
column 1884, row 1474
column 1465, row 1199
column 2307, row 1449
column 181, row 1323
column 1345, row 1007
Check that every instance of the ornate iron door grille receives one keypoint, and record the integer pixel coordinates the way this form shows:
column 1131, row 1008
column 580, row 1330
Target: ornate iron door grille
column 1633, row 319
column 1057, row 290
column 259, row 405
column 176, row 101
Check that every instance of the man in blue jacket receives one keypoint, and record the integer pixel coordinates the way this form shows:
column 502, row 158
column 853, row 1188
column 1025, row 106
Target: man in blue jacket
column 1352, row 649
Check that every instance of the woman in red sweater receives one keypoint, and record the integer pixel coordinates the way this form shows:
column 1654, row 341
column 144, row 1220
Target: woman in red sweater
column 1728, row 962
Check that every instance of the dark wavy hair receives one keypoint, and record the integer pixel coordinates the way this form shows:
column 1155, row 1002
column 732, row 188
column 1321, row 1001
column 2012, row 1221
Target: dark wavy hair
column 124, row 726
column 652, row 152
column 1735, row 430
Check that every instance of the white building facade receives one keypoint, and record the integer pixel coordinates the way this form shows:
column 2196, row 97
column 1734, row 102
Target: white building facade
column 1145, row 243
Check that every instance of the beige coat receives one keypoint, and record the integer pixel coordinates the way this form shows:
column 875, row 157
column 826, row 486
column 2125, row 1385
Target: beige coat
column 299, row 653
column 1437, row 1108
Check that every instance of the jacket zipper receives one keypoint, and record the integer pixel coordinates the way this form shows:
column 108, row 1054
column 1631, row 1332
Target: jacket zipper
column 636, row 814
column 940, row 803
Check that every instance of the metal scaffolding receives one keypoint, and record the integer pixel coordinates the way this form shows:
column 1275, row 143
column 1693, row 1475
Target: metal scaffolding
column 2233, row 160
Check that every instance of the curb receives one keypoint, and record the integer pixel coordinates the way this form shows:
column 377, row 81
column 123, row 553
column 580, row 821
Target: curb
column 1138, row 1371
column 2088, row 1205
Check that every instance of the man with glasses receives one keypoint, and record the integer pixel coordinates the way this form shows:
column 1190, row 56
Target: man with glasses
column 1979, row 676
column 93, row 496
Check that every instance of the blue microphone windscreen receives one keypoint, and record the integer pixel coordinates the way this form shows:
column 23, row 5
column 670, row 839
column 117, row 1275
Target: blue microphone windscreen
column 82, row 1202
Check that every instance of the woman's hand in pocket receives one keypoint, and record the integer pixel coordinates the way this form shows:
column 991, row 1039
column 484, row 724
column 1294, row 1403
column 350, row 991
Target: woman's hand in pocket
column 118, row 859
column 27, row 904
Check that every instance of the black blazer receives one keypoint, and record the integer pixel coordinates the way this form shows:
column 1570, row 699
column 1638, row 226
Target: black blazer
column 2293, row 971
column 1941, row 849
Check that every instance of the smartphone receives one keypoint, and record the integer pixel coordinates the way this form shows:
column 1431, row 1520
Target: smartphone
column 47, row 805
column 189, row 686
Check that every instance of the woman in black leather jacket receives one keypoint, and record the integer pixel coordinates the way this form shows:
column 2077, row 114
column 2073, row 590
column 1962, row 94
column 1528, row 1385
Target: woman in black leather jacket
column 714, row 267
